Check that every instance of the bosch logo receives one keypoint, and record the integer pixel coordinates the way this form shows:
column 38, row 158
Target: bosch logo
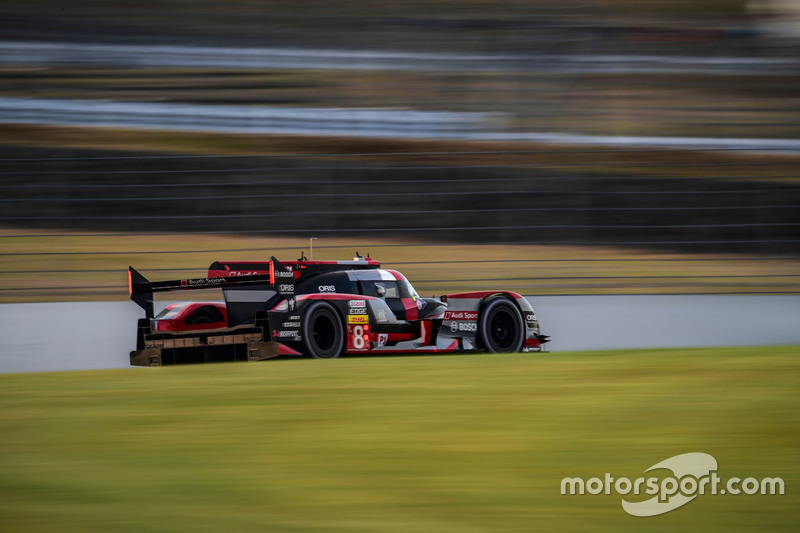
column 469, row 327
column 283, row 274
column 464, row 327
column 327, row 288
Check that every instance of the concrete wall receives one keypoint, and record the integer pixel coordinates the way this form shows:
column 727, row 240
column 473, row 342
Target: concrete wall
column 94, row 335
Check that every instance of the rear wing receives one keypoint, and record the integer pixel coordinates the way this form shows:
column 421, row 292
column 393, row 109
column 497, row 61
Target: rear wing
column 280, row 279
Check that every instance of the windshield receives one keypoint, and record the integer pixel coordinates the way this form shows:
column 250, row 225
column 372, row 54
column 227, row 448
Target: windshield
column 389, row 289
column 407, row 290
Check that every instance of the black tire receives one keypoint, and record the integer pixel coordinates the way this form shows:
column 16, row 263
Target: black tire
column 500, row 327
column 323, row 332
column 204, row 315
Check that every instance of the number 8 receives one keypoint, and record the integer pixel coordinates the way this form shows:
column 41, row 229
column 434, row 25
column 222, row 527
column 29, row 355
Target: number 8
column 358, row 338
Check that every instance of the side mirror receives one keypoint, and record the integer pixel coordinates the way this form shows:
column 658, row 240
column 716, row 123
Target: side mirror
column 380, row 290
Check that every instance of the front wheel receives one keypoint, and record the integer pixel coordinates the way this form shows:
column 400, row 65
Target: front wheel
column 501, row 328
column 323, row 333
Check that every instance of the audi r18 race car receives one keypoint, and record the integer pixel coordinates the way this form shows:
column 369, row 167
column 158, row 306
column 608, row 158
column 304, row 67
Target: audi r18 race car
column 322, row 309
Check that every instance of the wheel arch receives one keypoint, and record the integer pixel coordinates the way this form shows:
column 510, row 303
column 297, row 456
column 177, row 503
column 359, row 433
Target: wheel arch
column 508, row 295
column 338, row 301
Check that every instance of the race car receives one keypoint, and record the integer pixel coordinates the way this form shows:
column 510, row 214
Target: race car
column 323, row 309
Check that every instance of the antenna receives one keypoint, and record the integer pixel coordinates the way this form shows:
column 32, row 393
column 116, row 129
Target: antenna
column 311, row 247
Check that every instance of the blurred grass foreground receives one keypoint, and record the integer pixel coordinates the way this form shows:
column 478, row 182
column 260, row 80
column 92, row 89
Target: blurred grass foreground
column 452, row 443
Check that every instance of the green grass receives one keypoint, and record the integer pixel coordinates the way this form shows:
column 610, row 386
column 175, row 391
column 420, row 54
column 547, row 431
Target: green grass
column 450, row 443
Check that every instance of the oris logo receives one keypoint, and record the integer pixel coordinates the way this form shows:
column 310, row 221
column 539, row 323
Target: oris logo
column 327, row 288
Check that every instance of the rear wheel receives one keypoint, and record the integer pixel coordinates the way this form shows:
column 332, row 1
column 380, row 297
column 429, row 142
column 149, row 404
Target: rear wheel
column 501, row 328
column 205, row 315
column 323, row 333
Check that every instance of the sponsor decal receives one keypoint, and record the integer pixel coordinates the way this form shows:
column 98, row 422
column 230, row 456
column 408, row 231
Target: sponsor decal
column 355, row 304
column 283, row 274
column 359, row 339
column 203, row 281
column 530, row 317
column 294, row 317
column 326, row 288
column 421, row 303
column 381, row 316
column 285, row 334
column 236, row 273
column 358, row 311
column 469, row 327
column 291, row 324
column 357, row 319
column 286, row 289
column 461, row 315
column 383, row 338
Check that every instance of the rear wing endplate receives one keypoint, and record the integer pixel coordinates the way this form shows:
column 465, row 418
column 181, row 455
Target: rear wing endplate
column 280, row 278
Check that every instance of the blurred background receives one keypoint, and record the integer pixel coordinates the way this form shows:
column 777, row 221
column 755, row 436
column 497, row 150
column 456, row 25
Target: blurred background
column 595, row 147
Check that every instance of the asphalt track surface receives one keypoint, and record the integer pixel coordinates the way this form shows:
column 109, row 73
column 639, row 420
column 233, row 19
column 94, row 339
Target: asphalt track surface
column 95, row 335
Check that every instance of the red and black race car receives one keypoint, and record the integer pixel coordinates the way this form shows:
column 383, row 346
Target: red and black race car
column 323, row 309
